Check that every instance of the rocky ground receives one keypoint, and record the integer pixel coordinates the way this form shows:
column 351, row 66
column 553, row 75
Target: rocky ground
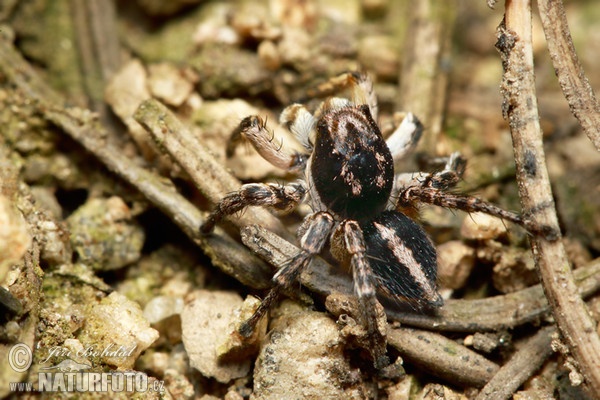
column 115, row 120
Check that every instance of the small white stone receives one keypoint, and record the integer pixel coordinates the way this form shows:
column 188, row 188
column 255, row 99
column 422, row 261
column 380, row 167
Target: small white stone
column 117, row 323
column 480, row 226
column 167, row 83
column 205, row 321
column 162, row 307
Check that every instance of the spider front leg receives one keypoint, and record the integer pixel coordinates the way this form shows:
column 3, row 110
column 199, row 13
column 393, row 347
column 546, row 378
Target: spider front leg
column 445, row 179
column 254, row 129
column 364, row 289
column 432, row 189
column 470, row 204
column 279, row 197
column 314, row 233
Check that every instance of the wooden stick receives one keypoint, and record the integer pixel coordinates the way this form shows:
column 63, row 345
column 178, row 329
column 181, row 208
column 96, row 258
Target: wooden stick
column 82, row 125
column 570, row 73
column 520, row 108
column 521, row 366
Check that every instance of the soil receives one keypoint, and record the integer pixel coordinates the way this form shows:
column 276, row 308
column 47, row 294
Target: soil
column 115, row 122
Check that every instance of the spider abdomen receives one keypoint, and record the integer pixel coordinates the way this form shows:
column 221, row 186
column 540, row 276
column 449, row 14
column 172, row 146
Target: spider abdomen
column 403, row 260
column 352, row 168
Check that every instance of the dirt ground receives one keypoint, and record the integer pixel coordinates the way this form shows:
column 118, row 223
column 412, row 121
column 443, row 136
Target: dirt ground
column 115, row 122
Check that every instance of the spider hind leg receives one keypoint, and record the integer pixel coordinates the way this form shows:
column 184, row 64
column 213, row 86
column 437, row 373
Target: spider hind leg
column 364, row 289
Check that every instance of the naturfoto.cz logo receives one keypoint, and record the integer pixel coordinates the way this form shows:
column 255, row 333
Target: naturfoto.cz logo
column 70, row 376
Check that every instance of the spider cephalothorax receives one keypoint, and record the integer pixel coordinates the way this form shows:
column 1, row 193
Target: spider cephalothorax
column 351, row 167
column 349, row 181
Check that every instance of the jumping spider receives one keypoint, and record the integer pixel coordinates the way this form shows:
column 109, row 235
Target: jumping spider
column 359, row 204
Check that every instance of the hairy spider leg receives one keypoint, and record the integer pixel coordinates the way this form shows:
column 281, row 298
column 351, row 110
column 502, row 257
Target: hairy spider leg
column 314, row 233
column 365, row 290
column 470, row 204
column 411, row 189
column 445, row 179
column 254, row 129
column 452, row 173
column 432, row 189
column 279, row 197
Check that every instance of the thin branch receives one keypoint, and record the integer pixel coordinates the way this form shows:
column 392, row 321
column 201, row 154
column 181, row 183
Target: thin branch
column 98, row 46
column 423, row 78
column 210, row 177
column 522, row 365
column 442, row 357
column 570, row 73
column 520, row 108
column 227, row 254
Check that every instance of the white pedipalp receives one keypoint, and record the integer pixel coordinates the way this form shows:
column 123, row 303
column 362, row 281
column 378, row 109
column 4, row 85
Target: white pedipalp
column 300, row 122
column 405, row 138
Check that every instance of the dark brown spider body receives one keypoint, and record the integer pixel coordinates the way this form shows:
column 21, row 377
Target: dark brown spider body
column 351, row 175
column 351, row 166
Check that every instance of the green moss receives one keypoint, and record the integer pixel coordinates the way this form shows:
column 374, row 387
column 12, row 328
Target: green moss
column 47, row 34
column 172, row 42
column 104, row 235
column 229, row 70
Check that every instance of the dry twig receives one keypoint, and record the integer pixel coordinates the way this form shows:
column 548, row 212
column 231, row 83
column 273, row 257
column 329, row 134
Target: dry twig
column 520, row 367
column 520, row 108
column 442, row 357
column 227, row 254
column 423, row 81
column 571, row 77
column 99, row 48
